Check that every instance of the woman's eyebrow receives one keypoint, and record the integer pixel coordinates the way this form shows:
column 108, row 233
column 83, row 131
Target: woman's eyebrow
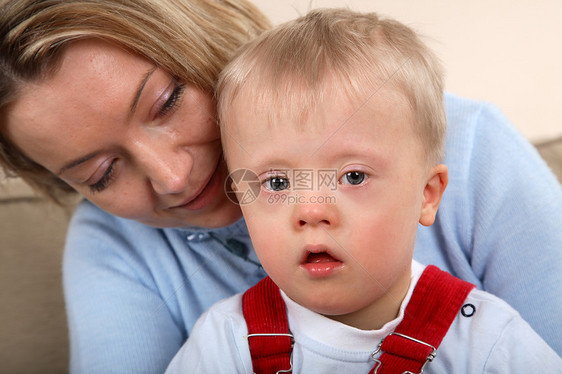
column 76, row 162
column 140, row 88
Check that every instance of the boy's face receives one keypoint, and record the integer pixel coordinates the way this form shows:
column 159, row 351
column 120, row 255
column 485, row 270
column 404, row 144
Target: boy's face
column 341, row 196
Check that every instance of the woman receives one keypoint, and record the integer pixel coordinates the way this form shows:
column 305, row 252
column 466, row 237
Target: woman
column 114, row 100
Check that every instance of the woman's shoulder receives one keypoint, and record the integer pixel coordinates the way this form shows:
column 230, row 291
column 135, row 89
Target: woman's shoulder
column 97, row 239
column 459, row 107
column 481, row 139
column 471, row 120
column 100, row 245
column 92, row 229
column 88, row 217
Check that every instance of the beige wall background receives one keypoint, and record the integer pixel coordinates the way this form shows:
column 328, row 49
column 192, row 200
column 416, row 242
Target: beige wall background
column 508, row 52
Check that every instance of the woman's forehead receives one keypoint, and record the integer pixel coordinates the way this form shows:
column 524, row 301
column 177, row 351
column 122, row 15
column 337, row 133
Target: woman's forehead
column 97, row 56
column 94, row 85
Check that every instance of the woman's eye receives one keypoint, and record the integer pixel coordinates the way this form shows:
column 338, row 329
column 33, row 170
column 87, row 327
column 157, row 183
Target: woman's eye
column 276, row 184
column 106, row 178
column 353, row 178
column 172, row 102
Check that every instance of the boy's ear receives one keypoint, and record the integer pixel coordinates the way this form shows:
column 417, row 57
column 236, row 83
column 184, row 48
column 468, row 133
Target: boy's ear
column 437, row 182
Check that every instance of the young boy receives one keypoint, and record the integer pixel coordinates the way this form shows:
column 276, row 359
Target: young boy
column 340, row 116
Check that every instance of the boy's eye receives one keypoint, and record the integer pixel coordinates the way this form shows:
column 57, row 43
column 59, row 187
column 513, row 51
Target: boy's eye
column 353, row 178
column 276, row 184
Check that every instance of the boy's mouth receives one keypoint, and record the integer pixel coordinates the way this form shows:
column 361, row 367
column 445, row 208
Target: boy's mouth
column 319, row 262
column 314, row 258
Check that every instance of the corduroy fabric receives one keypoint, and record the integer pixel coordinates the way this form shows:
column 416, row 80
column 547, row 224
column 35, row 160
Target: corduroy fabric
column 265, row 313
column 436, row 301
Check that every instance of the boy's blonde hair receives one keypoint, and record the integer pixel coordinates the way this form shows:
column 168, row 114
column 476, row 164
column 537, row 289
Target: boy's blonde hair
column 190, row 39
column 290, row 68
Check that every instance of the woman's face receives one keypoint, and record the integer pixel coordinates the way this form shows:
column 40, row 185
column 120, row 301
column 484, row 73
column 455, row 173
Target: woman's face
column 127, row 136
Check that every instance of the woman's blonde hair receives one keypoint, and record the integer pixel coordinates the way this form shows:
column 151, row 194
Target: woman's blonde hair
column 291, row 67
column 191, row 39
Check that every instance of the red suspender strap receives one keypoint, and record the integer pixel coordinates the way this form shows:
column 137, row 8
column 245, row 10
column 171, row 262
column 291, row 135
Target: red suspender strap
column 268, row 329
column 435, row 302
column 437, row 299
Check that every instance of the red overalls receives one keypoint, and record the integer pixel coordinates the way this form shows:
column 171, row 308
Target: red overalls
column 436, row 300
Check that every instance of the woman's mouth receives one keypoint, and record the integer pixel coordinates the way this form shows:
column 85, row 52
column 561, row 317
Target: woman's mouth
column 207, row 193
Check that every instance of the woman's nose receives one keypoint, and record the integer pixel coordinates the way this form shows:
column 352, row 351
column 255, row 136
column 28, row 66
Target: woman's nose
column 169, row 176
column 167, row 169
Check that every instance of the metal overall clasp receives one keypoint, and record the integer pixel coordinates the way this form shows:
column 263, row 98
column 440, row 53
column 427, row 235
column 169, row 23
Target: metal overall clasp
column 430, row 357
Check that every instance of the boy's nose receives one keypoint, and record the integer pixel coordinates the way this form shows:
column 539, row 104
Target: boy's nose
column 314, row 210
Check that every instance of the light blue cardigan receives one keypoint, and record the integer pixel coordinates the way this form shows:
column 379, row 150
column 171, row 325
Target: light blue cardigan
column 133, row 292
